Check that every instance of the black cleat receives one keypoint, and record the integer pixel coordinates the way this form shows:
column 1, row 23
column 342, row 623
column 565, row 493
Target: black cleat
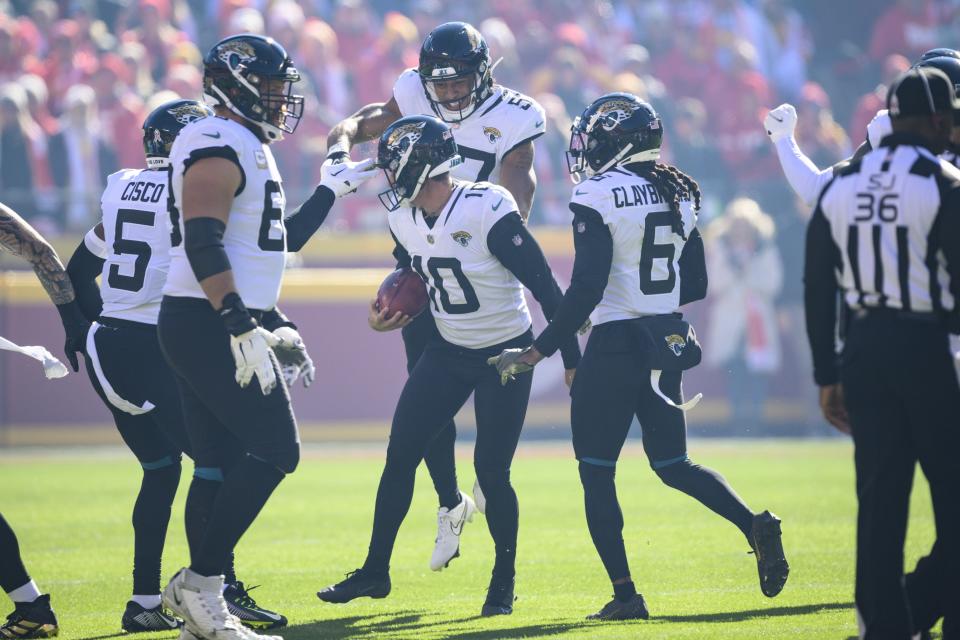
column 633, row 609
column 359, row 584
column 31, row 620
column 771, row 562
column 245, row 608
column 500, row 598
column 139, row 619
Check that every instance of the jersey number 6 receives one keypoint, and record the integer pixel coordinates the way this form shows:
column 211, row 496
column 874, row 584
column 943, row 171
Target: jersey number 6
column 650, row 251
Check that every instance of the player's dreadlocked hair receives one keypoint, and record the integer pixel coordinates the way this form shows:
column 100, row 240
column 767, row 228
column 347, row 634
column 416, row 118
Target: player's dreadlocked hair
column 674, row 185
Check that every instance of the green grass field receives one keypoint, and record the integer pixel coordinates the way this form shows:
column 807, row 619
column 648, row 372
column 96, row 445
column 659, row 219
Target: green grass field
column 71, row 510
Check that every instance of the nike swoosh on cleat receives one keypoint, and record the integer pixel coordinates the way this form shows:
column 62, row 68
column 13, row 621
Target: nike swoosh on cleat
column 210, row 135
column 270, row 614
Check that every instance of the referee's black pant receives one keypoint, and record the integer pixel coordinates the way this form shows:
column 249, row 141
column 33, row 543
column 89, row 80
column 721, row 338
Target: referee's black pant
column 904, row 403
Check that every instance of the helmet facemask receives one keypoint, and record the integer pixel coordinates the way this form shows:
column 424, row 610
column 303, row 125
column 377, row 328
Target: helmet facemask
column 458, row 107
column 598, row 143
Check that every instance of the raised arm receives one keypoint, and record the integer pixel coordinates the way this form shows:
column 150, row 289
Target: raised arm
column 366, row 124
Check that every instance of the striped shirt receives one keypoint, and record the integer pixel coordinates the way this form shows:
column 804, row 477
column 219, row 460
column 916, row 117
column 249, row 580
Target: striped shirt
column 886, row 233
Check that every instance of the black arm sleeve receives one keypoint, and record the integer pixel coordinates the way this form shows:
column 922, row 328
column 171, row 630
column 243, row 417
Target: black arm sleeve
column 83, row 269
column 949, row 221
column 304, row 222
column 591, row 269
column 526, row 261
column 693, row 270
column 821, row 264
column 400, row 253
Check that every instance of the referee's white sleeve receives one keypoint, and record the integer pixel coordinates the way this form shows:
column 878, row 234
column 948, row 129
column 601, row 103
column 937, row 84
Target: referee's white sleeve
column 804, row 176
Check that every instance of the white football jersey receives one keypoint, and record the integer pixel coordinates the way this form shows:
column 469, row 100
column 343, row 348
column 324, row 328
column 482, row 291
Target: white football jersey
column 505, row 120
column 476, row 301
column 255, row 239
column 644, row 275
column 136, row 244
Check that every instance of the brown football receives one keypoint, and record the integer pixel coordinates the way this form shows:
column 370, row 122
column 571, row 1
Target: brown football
column 403, row 291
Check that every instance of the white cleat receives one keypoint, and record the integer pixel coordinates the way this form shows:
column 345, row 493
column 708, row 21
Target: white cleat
column 478, row 498
column 199, row 601
column 450, row 524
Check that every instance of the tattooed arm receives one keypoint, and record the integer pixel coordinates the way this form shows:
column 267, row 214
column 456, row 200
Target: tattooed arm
column 20, row 239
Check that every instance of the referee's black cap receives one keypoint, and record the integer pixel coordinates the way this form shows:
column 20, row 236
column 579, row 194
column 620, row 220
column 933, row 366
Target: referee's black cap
column 922, row 91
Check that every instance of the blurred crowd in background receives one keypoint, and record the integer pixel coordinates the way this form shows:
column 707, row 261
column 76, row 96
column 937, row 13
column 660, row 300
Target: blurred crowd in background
column 78, row 76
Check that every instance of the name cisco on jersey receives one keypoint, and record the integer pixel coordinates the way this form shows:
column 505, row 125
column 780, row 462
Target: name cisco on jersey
column 141, row 191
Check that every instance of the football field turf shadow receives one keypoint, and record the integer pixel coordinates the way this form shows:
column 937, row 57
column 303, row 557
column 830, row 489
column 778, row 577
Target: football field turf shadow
column 740, row 616
column 385, row 625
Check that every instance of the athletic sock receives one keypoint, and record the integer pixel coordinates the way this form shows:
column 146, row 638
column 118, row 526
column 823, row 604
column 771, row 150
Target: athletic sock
column 625, row 591
column 12, row 572
column 711, row 489
column 503, row 519
column 440, row 459
column 147, row 602
column 393, row 501
column 151, row 515
column 604, row 518
column 241, row 497
column 25, row 593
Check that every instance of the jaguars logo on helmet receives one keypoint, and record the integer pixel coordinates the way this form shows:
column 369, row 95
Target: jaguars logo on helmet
column 253, row 77
column 618, row 128
column 162, row 125
column 410, row 151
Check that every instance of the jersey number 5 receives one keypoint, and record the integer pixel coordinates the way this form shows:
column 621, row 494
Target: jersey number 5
column 470, row 304
column 650, row 251
column 122, row 246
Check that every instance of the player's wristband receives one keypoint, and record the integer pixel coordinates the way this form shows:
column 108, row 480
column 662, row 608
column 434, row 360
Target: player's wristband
column 274, row 319
column 337, row 152
column 236, row 319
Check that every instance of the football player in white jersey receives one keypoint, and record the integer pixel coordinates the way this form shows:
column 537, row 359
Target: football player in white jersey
column 229, row 251
column 494, row 128
column 639, row 257
column 469, row 244
column 130, row 248
column 807, row 181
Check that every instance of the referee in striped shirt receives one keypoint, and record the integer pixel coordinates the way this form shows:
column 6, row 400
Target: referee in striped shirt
column 885, row 237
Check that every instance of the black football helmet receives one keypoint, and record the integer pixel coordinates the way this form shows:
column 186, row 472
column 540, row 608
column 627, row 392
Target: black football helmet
column 163, row 124
column 616, row 129
column 253, row 77
column 452, row 51
column 410, row 151
column 951, row 67
column 940, row 52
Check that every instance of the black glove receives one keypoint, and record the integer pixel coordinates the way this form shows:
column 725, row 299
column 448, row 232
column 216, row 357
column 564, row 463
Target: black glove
column 75, row 326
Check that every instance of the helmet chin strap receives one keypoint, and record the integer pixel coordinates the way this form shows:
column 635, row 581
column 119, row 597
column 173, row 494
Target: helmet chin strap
column 270, row 131
column 430, row 172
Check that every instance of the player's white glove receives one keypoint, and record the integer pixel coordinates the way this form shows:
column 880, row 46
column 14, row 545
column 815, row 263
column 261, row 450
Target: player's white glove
column 879, row 128
column 508, row 364
column 781, row 122
column 252, row 357
column 294, row 360
column 344, row 177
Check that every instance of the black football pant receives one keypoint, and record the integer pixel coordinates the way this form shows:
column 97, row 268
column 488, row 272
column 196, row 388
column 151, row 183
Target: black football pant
column 902, row 395
column 13, row 574
column 128, row 372
column 610, row 388
column 439, row 457
column 437, row 388
column 239, row 436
